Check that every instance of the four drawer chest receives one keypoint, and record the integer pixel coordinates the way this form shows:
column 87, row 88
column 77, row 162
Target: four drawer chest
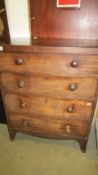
column 49, row 92
column 50, row 88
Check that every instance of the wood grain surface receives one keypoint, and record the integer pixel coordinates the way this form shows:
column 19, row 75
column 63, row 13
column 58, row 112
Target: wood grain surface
column 42, row 106
column 51, row 64
column 55, row 128
column 50, row 86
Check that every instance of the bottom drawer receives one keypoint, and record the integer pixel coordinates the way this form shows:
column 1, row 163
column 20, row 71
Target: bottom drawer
column 51, row 128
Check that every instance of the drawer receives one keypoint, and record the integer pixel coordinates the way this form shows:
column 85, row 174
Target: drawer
column 52, row 64
column 54, row 128
column 50, row 86
column 43, row 106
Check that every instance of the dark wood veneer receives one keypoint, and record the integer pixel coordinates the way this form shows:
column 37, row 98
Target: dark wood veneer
column 59, row 23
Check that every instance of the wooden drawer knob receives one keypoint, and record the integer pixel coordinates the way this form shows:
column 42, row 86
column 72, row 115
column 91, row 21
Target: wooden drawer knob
column 23, row 104
column 19, row 61
column 72, row 87
column 68, row 128
column 70, row 109
column 20, row 84
column 74, row 64
column 26, row 123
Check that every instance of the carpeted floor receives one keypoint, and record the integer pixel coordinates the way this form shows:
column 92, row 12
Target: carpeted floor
column 28, row 155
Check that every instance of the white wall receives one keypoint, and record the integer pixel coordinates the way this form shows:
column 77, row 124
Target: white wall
column 18, row 20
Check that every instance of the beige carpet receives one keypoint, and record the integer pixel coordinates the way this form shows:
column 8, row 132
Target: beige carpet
column 28, row 155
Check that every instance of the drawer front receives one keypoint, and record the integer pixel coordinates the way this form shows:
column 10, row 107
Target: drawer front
column 52, row 64
column 54, row 128
column 48, row 107
column 49, row 86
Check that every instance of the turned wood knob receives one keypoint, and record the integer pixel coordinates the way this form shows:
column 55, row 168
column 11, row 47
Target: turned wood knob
column 70, row 109
column 72, row 87
column 68, row 128
column 26, row 123
column 23, row 104
column 74, row 64
column 20, row 84
column 19, row 61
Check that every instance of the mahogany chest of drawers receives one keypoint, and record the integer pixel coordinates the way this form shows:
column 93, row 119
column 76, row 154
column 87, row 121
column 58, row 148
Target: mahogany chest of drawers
column 49, row 88
column 49, row 94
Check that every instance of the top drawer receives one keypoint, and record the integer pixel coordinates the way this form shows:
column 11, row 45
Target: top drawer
column 52, row 64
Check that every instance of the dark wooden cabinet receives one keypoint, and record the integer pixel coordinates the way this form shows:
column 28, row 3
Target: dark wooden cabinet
column 49, row 89
column 47, row 92
column 74, row 27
